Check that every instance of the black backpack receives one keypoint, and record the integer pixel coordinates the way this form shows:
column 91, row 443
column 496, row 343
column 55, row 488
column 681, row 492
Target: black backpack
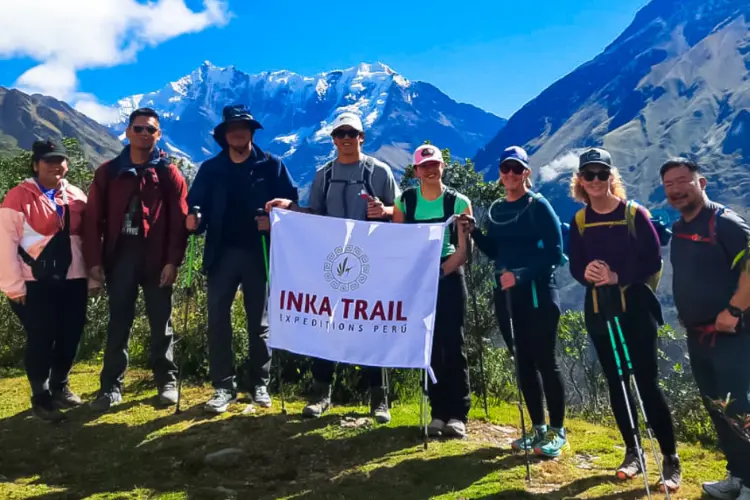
column 53, row 262
column 409, row 198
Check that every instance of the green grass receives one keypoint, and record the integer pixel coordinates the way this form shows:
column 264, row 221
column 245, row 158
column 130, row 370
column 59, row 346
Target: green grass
column 142, row 451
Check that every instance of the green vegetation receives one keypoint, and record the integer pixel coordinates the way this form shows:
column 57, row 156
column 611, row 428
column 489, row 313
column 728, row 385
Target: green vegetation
column 141, row 451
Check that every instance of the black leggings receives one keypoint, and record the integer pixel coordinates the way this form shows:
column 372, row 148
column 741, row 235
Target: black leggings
column 535, row 332
column 450, row 398
column 53, row 317
column 640, row 330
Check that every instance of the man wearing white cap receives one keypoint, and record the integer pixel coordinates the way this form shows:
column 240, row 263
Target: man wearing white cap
column 352, row 186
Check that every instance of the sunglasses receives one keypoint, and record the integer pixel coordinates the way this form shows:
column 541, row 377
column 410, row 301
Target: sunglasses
column 138, row 129
column 602, row 175
column 349, row 133
column 512, row 166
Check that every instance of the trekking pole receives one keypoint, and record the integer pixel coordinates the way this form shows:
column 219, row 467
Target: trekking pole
column 509, row 307
column 636, row 436
column 262, row 213
column 476, row 329
column 188, row 297
column 633, row 382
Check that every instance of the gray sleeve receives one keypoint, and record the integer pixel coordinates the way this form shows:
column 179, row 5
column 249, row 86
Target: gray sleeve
column 391, row 190
column 316, row 201
column 733, row 233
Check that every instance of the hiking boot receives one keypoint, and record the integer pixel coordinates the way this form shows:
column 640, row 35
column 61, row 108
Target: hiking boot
column 64, row 398
column 532, row 439
column 379, row 406
column 435, row 428
column 45, row 409
column 728, row 489
column 320, row 402
column 220, row 401
column 261, row 396
column 555, row 442
column 672, row 469
column 630, row 467
column 168, row 394
column 744, row 494
column 455, row 428
column 106, row 400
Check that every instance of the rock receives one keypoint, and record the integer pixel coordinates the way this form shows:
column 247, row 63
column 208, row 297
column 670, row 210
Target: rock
column 355, row 423
column 249, row 410
column 225, row 457
column 219, row 492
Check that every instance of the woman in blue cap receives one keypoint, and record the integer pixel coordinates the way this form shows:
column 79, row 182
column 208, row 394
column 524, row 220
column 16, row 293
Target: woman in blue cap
column 524, row 239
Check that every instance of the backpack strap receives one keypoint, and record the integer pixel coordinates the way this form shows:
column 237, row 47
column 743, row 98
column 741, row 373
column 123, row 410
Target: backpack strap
column 409, row 197
column 327, row 174
column 581, row 220
column 369, row 168
column 449, row 206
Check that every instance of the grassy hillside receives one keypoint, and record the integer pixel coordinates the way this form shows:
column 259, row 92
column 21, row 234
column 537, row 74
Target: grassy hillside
column 140, row 451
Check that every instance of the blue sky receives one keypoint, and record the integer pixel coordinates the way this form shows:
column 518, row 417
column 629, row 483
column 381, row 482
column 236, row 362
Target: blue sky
column 495, row 54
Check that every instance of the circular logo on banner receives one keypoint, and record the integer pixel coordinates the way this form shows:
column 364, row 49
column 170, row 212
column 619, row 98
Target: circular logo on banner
column 346, row 268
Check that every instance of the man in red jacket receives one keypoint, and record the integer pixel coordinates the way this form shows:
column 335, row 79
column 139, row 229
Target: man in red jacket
column 134, row 235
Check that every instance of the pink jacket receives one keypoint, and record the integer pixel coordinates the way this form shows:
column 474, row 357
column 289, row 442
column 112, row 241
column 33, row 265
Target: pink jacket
column 29, row 219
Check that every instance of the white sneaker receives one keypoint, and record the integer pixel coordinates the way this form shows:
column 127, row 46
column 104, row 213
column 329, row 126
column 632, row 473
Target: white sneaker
column 744, row 494
column 435, row 428
column 455, row 428
column 728, row 489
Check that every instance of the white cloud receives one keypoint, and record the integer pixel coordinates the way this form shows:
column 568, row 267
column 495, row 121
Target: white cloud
column 559, row 166
column 69, row 35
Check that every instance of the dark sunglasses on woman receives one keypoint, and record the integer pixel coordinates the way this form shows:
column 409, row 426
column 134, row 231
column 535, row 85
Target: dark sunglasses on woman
column 512, row 166
column 589, row 176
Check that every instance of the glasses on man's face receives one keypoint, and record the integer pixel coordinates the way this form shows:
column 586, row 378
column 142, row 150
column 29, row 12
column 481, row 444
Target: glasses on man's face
column 589, row 175
column 349, row 133
column 138, row 129
column 512, row 166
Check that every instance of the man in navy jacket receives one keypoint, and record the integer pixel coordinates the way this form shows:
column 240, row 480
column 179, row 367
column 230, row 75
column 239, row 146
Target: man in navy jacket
column 229, row 189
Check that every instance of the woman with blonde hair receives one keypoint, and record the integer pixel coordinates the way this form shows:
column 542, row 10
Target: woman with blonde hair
column 615, row 253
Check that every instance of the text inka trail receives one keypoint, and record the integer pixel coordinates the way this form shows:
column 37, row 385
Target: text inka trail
column 311, row 310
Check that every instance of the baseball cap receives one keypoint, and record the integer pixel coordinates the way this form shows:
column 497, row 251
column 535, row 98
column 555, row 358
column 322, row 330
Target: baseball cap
column 49, row 148
column 426, row 153
column 595, row 156
column 349, row 119
column 515, row 153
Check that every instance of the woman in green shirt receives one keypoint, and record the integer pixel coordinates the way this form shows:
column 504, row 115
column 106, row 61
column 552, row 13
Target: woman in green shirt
column 433, row 201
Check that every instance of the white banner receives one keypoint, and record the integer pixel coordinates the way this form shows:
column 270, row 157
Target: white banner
column 352, row 291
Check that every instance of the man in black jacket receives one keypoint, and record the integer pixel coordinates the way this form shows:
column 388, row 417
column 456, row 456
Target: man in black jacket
column 230, row 189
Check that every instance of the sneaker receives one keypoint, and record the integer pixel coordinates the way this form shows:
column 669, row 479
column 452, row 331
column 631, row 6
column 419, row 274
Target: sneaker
column 455, row 428
column 64, row 398
column 672, row 469
column 168, row 394
column 630, row 467
column 106, row 400
column 220, row 401
column 531, row 440
column 261, row 396
column 554, row 444
column 744, row 494
column 46, row 410
column 320, row 403
column 379, row 406
column 728, row 489
column 435, row 428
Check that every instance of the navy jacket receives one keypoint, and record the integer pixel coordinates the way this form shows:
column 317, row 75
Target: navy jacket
column 269, row 177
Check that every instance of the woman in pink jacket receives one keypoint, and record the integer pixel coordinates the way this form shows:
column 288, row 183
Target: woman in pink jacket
column 43, row 274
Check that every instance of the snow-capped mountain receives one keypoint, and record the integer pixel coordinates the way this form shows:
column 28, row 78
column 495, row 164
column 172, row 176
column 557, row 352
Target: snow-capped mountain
column 675, row 82
column 297, row 111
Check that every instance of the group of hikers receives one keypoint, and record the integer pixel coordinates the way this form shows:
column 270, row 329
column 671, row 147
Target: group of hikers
column 58, row 245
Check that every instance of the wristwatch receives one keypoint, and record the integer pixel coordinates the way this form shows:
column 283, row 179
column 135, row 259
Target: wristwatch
column 735, row 311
